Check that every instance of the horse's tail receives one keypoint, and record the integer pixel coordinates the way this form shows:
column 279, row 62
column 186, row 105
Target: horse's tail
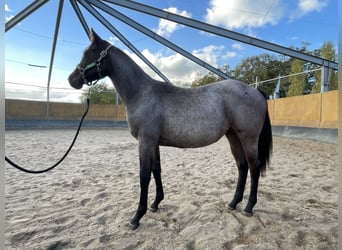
column 265, row 143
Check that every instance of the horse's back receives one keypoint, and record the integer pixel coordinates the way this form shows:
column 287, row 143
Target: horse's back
column 200, row 116
column 231, row 97
column 245, row 105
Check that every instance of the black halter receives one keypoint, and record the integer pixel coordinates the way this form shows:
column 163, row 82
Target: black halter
column 92, row 65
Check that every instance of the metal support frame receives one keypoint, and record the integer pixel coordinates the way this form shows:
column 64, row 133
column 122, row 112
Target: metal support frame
column 155, row 36
column 80, row 17
column 276, row 93
column 326, row 64
column 55, row 37
column 223, row 32
column 102, row 20
column 24, row 13
column 324, row 79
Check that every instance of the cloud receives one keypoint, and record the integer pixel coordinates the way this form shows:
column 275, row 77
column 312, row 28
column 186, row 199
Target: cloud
column 175, row 67
column 237, row 46
column 311, row 5
column 244, row 13
column 7, row 8
column 179, row 69
column 229, row 54
column 293, row 38
column 7, row 18
column 113, row 40
column 306, row 6
column 209, row 54
column 165, row 27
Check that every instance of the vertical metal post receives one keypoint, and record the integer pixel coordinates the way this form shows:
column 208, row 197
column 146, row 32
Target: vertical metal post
column 256, row 82
column 58, row 21
column 276, row 93
column 116, row 105
column 2, row 129
column 324, row 79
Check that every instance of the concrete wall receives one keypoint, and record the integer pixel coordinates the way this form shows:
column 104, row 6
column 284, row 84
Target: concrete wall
column 314, row 111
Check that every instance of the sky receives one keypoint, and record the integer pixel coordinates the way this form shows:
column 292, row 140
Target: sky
column 284, row 22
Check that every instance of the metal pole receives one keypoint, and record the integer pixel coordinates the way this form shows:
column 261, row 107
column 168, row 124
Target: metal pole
column 24, row 13
column 276, row 93
column 324, row 79
column 80, row 17
column 155, row 36
column 116, row 105
column 58, row 21
column 102, row 20
column 135, row 5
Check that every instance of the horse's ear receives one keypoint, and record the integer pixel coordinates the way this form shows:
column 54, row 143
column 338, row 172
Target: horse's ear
column 94, row 38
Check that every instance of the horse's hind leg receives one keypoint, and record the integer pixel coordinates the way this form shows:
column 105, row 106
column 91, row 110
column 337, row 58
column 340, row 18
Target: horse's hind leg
column 255, row 174
column 156, row 170
column 242, row 165
column 251, row 151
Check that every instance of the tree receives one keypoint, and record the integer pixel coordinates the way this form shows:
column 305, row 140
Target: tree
column 211, row 77
column 263, row 67
column 101, row 94
column 302, row 83
column 297, row 82
column 327, row 51
column 206, row 79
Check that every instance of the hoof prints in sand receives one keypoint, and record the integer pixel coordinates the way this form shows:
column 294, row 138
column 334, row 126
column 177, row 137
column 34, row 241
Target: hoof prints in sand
column 87, row 201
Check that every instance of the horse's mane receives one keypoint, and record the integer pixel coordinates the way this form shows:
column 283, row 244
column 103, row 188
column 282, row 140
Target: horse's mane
column 126, row 61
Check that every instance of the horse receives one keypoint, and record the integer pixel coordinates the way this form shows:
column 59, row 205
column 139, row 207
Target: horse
column 162, row 114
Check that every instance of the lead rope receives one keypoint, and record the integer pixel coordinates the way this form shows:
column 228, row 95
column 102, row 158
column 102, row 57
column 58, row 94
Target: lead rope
column 65, row 155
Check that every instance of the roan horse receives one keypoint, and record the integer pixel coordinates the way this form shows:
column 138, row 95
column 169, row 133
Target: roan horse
column 161, row 114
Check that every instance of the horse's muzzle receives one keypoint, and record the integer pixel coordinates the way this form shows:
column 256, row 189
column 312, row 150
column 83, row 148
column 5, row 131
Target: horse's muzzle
column 75, row 80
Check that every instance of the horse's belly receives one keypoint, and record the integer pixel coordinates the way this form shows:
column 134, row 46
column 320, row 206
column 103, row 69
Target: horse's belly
column 189, row 142
column 192, row 134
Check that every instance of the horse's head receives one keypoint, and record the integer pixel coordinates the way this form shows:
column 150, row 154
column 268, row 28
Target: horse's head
column 92, row 66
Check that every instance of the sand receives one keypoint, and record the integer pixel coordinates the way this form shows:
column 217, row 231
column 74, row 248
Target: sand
column 86, row 202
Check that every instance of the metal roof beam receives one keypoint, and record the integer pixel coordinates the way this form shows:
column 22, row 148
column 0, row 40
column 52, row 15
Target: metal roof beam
column 155, row 36
column 224, row 32
column 54, row 43
column 24, row 13
column 80, row 17
column 102, row 20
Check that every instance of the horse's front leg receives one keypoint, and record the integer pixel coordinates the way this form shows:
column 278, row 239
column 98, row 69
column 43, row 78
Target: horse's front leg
column 146, row 157
column 157, row 178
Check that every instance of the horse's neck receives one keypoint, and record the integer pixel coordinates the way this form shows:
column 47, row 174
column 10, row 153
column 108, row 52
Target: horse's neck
column 129, row 79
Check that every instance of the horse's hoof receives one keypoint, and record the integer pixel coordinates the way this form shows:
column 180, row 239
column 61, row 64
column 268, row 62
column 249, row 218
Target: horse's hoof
column 153, row 209
column 133, row 225
column 231, row 208
column 248, row 214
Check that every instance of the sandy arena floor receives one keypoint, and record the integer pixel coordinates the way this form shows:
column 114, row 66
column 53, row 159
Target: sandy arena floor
column 86, row 202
